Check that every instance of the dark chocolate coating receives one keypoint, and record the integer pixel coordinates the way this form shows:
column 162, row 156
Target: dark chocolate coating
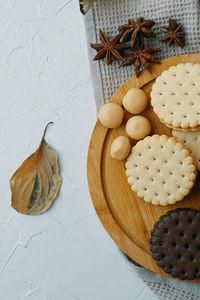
column 175, row 243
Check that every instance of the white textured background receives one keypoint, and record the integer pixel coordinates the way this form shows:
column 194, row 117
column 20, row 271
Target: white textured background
column 65, row 253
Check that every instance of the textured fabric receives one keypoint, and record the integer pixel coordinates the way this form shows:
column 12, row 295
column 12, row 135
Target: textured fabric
column 108, row 15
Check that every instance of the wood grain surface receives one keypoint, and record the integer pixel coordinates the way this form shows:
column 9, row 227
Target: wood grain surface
column 127, row 218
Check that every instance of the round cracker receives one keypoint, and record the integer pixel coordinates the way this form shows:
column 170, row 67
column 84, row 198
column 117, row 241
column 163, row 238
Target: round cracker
column 175, row 96
column 191, row 140
column 175, row 243
column 160, row 170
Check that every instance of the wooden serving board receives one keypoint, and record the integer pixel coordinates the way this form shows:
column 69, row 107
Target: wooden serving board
column 127, row 218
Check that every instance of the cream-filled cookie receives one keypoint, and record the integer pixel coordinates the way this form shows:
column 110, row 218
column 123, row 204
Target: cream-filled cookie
column 175, row 97
column 191, row 140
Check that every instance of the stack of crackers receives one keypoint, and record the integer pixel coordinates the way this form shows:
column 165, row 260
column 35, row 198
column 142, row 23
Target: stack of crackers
column 162, row 170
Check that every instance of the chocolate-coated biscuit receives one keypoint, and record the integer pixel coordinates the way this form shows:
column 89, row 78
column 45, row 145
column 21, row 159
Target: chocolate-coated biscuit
column 175, row 243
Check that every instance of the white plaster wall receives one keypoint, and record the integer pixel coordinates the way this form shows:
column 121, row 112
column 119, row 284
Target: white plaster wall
column 65, row 253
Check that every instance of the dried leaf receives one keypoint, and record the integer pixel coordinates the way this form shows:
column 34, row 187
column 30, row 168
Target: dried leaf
column 36, row 184
column 85, row 5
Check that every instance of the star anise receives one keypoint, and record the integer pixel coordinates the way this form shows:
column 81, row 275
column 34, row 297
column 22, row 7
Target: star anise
column 137, row 31
column 108, row 49
column 175, row 34
column 140, row 58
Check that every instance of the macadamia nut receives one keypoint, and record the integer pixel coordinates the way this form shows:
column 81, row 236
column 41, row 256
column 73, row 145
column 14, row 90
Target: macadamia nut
column 138, row 127
column 135, row 101
column 120, row 147
column 111, row 115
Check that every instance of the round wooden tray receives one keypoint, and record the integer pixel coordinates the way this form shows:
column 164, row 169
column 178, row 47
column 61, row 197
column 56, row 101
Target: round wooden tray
column 127, row 218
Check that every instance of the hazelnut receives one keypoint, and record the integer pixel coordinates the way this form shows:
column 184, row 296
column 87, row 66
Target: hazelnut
column 135, row 101
column 138, row 127
column 111, row 115
column 120, row 147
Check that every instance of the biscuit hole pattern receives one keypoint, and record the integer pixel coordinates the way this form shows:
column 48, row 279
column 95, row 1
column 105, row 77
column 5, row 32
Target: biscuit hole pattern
column 171, row 173
column 158, row 170
column 183, row 272
column 198, row 248
column 181, row 234
column 166, row 230
column 176, row 222
column 196, row 270
column 162, row 256
column 193, row 83
column 194, row 236
column 184, row 116
column 161, row 146
column 156, row 194
column 180, row 83
column 164, row 82
column 190, row 220
column 161, row 243
column 171, row 113
column 172, row 93
column 179, row 256
column 191, row 258
column 163, row 105
column 171, row 266
column 179, row 103
column 186, row 93
column 174, row 244
column 160, row 94
column 191, row 103
column 186, row 246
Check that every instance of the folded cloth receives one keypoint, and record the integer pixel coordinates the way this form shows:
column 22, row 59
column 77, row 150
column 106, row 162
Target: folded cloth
column 109, row 15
